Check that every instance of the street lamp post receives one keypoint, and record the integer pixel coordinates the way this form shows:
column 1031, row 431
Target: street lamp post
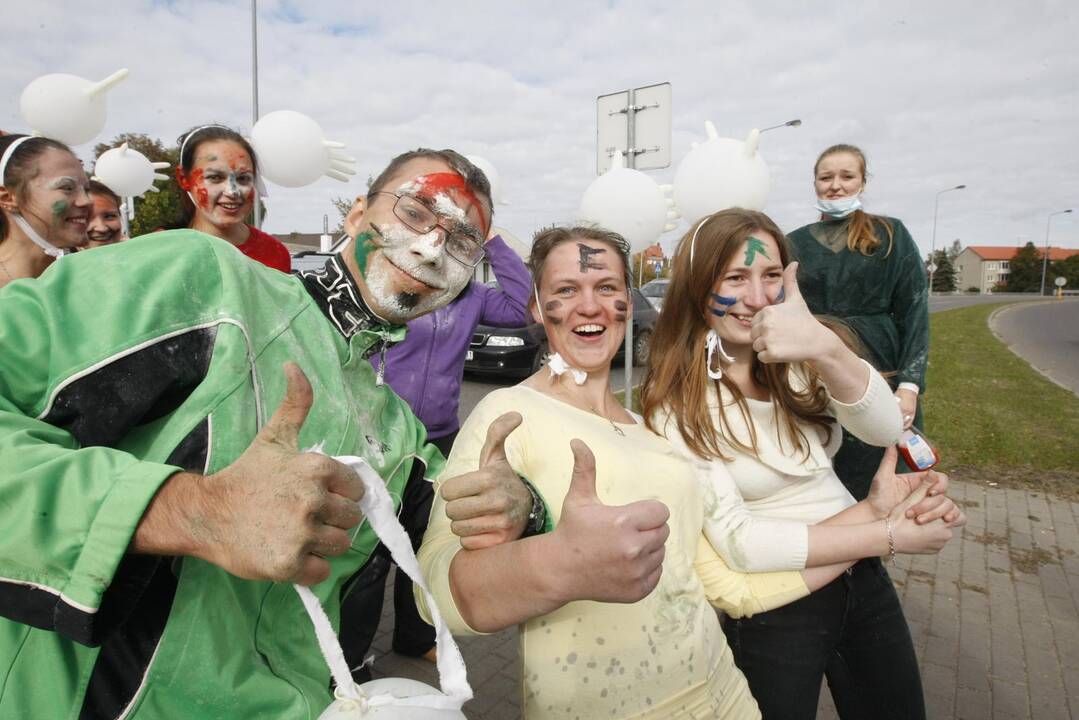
column 1045, row 258
column 789, row 123
column 933, row 246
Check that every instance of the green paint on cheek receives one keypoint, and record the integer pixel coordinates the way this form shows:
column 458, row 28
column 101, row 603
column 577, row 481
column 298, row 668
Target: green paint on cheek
column 753, row 247
column 60, row 207
column 364, row 245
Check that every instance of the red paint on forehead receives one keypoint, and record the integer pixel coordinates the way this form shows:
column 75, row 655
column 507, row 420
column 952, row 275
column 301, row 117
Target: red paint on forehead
column 447, row 182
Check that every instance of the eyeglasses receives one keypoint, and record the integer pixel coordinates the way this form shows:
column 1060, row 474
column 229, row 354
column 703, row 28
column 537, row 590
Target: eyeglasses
column 461, row 244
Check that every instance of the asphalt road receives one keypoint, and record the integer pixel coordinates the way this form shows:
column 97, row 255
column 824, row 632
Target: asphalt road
column 475, row 387
column 1046, row 335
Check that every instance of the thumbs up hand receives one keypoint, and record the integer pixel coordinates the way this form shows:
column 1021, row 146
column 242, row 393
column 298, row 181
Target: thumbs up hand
column 787, row 331
column 276, row 513
column 490, row 505
column 607, row 553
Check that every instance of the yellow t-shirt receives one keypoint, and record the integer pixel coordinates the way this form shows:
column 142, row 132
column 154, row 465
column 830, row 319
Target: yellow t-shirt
column 662, row 657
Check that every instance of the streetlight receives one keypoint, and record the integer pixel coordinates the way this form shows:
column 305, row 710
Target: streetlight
column 1045, row 259
column 789, row 123
column 933, row 247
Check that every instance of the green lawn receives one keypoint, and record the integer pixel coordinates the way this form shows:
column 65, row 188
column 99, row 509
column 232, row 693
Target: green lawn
column 991, row 415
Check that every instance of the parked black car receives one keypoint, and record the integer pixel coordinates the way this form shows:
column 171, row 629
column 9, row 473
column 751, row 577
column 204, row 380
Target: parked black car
column 522, row 351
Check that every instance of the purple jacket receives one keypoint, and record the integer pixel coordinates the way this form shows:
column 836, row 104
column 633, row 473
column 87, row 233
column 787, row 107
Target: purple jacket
column 426, row 368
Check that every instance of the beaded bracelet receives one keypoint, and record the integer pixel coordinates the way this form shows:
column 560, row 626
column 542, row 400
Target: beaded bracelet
column 891, row 539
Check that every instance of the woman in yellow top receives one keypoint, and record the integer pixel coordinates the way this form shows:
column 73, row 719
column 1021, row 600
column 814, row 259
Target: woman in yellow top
column 613, row 603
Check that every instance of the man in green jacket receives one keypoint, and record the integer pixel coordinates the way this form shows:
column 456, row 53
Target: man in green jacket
column 156, row 507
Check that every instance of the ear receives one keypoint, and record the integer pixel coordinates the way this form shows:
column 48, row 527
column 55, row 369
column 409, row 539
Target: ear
column 355, row 216
column 7, row 200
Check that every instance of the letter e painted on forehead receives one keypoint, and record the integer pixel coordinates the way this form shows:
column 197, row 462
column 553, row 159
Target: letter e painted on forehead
column 587, row 263
column 753, row 247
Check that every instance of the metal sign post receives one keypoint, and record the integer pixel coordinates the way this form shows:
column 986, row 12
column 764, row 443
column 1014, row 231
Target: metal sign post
column 638, row 120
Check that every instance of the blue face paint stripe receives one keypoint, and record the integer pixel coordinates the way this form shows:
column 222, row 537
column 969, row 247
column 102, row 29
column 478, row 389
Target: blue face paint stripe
column 782, row 294
column 722, row 300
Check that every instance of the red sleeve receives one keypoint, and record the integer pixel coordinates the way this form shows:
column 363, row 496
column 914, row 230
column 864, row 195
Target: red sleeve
column 267, row 249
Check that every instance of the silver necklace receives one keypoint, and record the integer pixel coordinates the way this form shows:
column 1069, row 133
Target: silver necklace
column 6, row 271
column 615, row 427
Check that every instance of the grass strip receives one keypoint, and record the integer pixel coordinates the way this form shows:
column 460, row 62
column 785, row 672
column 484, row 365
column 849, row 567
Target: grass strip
column 991, row 415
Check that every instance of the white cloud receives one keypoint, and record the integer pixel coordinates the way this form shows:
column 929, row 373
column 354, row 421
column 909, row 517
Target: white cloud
column 937, row 94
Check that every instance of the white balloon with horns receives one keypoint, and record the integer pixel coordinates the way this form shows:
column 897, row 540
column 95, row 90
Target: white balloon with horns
column 630, row 203
column 721, row 173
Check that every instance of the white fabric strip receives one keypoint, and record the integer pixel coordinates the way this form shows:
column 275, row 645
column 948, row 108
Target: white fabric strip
column 377, row 506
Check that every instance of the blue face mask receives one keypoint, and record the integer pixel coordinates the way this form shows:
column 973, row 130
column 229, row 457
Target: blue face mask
column 841, row 207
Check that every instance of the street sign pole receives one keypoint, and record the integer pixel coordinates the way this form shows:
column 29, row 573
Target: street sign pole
column 655, row 153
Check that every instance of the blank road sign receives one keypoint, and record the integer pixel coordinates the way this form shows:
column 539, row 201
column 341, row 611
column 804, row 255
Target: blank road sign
column 651, row 113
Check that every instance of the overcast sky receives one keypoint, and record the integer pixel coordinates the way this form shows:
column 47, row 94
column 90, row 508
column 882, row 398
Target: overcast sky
column 936, row 93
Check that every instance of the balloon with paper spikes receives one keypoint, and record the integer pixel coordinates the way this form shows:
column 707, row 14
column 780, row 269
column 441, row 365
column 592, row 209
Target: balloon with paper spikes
column 127, row 172
column 293, row 151
column 628, row 202
column 721, row 173
column 67, row 107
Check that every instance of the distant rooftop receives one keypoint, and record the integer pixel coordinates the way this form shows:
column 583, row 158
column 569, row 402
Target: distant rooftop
column 996, row 252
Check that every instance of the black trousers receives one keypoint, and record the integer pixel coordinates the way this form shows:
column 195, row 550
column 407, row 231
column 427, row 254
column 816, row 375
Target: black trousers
column 852, row 631
column 361, row 604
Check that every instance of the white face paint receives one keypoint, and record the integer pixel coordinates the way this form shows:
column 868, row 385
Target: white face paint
column 406, row 271
column 417, row 276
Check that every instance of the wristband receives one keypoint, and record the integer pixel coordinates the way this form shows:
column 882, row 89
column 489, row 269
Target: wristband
column 537, row 516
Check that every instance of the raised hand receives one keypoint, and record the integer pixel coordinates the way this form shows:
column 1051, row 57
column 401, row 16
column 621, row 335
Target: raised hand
column 276, row 513
column 788, row 332
column 889, row 489
column 490, row 505
column 607, row 553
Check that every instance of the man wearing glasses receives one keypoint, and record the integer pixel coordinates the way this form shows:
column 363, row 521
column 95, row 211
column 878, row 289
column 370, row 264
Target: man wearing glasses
column 157, row 500
column 426, row 370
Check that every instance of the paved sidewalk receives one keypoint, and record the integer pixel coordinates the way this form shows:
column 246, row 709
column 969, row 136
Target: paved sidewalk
column 994, row 618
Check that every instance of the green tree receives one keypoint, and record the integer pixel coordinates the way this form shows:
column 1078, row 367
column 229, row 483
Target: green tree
column 343, row 205
column 944, row 277
column 1025, row 270
column 153, row 210
column 1067, row 269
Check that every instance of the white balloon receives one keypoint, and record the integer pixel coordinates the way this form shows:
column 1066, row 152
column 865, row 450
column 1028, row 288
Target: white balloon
column 378, row 704
column 493, row 177
column 127, row 172
column 627, row 202
column 67, row 108
column 293, row 151
column 721, row 173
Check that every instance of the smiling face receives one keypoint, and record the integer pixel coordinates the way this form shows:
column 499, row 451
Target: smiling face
column 403, row 273
column 104, row 227
column 55, row 201
column 752, row 280
column 839, row 175
column 584, row 303
column 221, row 183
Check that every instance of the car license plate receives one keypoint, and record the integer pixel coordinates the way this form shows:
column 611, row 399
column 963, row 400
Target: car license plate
column 468, row 355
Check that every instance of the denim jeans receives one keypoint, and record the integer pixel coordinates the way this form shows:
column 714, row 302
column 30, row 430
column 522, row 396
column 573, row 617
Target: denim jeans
column 852, row 631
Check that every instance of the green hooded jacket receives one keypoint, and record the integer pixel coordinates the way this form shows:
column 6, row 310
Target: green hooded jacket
column 119, row 367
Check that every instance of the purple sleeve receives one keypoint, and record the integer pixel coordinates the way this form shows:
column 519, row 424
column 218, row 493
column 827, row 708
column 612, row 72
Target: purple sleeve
column 508, row 306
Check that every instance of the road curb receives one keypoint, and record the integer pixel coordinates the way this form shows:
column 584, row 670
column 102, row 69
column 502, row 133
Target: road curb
column 991, row 322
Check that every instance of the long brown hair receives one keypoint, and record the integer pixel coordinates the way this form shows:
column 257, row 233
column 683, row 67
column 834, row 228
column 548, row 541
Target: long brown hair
column 860, row 235
column 677, row 379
